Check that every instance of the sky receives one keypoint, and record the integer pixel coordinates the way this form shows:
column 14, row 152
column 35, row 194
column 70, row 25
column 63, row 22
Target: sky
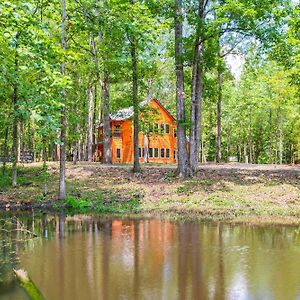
column 235, row 62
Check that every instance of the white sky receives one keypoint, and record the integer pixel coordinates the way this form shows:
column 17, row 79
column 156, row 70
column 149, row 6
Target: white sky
column 235, row 62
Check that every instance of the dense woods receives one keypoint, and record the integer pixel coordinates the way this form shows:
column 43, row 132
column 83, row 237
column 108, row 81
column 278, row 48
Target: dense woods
column 228, row 70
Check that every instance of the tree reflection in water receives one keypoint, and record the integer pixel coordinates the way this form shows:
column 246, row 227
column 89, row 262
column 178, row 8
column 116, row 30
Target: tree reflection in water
column 92, row 257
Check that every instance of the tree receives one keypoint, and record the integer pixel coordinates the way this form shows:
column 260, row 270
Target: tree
column 63, row 120
column 180, row 105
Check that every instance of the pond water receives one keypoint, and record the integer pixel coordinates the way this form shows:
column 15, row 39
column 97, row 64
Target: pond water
column 92, row 257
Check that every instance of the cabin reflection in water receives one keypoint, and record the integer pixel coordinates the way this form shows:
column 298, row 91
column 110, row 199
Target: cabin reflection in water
column 101, row 258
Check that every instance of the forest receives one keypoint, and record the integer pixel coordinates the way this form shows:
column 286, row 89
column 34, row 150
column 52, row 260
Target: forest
column 228, row 70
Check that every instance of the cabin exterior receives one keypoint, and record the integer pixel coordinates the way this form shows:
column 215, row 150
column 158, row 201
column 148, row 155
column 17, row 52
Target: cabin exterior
column 157, row 138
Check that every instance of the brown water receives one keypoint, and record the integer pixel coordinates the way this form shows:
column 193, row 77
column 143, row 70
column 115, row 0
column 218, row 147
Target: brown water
column 87, row 257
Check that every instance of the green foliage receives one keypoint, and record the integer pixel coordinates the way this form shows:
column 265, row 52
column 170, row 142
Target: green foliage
column 78, row 204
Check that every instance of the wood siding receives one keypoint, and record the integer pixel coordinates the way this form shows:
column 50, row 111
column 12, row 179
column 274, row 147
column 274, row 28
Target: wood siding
column 124, row 140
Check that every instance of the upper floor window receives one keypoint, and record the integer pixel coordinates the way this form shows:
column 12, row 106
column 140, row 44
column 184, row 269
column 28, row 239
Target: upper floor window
column 175, row 132
column 167, row 129
column 117, row 131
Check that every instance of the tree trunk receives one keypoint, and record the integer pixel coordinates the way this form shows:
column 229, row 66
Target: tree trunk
column 146, row 148
column 280, row 137
column 219, row 112
column 182, row 167
column 20, row 127
column 15, row 125
column 45, row 168
column 196, row 96
column 63, row 121
column 5, row 150
column 106, row 118
column 245, row 153
column 250, row 139
column 271, row 139
column 90, row 124
column 79, row 156
column 136, row 163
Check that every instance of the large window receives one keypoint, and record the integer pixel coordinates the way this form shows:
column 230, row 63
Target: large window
column 162, row 153
column 150, row 152
column 167, row 153
column 156, row 152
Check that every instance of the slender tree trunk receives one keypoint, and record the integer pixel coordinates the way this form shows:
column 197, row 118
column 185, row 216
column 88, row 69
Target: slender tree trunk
column 5, row 150
column 271, row 139
column 136, row 163
column 219, row 112
column 280, row 137
column 79, row 156
column 45, row 167
column 250, row 139
column 20, row 127
column 292, row 154
column 240, row 152
column 182, row 167
column 245, row 153
column 63, row 121
column 106, row 118
column 196, row 96
column 75, row 157
column 15, row 124
column 90, row 124
column 146, row 148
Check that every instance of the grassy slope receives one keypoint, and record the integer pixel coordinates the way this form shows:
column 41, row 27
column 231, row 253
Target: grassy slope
column 215, row 193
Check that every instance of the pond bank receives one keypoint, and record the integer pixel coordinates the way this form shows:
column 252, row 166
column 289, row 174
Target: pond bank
column 230, row 193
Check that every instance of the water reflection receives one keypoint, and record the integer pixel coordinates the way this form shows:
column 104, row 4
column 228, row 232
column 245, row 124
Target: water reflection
column 86, row 257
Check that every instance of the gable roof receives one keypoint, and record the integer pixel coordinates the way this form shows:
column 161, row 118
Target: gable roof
column 127, row 113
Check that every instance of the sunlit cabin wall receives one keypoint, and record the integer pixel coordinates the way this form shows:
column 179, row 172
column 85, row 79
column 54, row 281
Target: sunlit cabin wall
column 122, row 139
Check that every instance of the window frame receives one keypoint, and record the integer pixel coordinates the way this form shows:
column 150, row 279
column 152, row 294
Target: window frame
column 167, row 126
column 167, row 153
column 150, row 152
column 120, row 152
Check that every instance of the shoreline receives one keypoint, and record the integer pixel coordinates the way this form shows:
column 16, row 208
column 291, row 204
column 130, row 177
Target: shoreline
column 219, row 193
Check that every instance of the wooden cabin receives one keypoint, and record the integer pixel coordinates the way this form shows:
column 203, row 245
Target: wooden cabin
column 157, row 136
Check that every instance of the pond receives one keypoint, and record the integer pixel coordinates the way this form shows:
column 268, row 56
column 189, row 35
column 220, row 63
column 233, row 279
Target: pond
column 96, row 257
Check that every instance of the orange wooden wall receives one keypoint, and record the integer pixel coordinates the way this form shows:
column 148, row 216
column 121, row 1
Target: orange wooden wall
column 125, row 141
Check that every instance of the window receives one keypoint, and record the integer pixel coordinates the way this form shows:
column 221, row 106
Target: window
column 118, row 153
column 150, row 152
column 162, row 128
column 175, row 132
column 162, row 152
column 156, row 152
column 155, row 127
column 167, row 153
column 140, row 152
column 167, row 128
column 117, row 131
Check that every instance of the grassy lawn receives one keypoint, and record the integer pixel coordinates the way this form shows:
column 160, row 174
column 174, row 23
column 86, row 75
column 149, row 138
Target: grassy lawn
column 219, row 193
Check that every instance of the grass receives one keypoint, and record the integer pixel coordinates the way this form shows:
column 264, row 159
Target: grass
column 230, row 196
